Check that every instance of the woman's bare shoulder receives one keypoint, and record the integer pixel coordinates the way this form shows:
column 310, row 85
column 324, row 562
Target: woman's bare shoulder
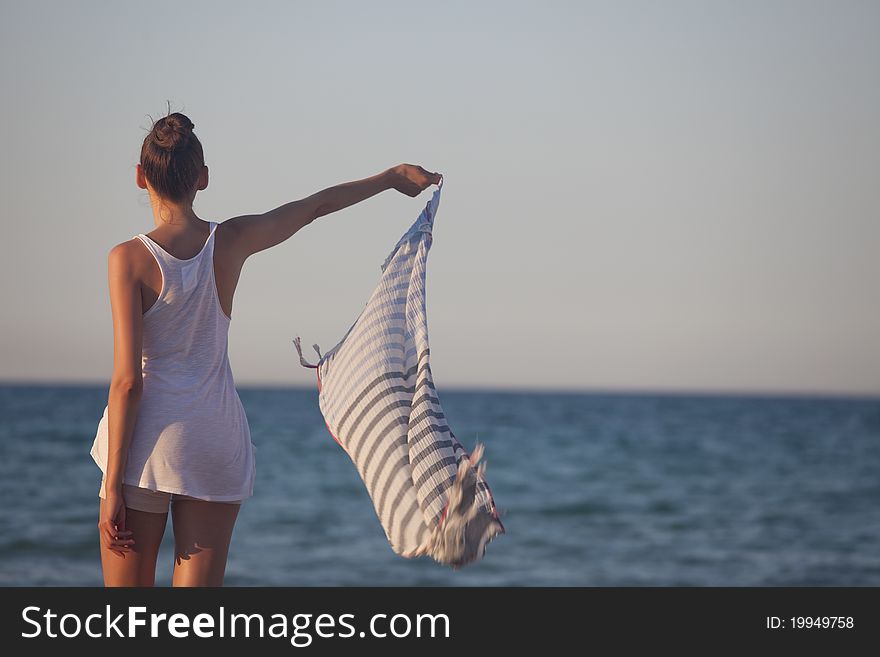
column 129, row 256
column 227, row 241
column 123, row 250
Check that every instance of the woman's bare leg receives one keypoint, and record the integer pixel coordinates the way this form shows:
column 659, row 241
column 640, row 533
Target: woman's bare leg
column 138, row 567
column 202, row 533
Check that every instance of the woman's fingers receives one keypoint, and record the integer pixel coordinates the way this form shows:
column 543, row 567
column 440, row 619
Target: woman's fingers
column 120, row 547
column 111, row 532
column 122, row 538
column 118, row 541
column 120, row 550
column 414, row 179
column 429, row 178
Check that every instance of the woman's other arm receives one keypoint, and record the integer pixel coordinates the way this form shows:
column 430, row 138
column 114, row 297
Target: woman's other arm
column 254, row 233
column 126, row 384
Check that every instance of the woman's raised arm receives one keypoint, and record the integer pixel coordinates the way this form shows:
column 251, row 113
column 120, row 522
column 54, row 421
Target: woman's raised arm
column 255, row 232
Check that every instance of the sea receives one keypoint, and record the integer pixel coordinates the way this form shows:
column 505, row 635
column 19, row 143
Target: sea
column 594, row 489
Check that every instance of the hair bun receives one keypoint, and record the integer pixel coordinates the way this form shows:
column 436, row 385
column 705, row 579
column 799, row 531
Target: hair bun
column 173, row 131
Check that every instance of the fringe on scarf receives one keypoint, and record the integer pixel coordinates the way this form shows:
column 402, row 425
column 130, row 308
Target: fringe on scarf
column 465, row 530
column 302, row 360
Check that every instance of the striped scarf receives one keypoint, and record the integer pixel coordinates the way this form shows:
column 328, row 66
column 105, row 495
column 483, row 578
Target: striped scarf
column 378, row 400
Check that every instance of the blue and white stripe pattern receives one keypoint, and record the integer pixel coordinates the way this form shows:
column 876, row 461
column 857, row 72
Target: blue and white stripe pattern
column 378, row 399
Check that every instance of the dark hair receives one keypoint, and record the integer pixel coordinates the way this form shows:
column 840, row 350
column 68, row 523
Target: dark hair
column 172, row 157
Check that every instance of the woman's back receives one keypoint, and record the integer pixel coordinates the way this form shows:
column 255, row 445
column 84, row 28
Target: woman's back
column 191, row 435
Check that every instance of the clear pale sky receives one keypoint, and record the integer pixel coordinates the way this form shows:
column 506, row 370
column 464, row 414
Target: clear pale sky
column 671, row 196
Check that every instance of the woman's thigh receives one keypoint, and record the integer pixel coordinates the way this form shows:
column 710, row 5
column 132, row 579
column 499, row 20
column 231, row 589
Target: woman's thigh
column 202, row 533
column 138, row 566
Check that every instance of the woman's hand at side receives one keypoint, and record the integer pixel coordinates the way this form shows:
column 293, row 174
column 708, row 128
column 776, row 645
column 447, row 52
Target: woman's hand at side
column 411, row 179
column 111, row 525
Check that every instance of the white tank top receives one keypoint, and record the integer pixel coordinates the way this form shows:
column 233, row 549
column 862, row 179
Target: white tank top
column 191, row 435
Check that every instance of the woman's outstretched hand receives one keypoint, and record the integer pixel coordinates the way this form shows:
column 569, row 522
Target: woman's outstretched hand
column 411, row 179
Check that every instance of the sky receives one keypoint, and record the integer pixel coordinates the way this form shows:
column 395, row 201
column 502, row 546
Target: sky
column 637, row 196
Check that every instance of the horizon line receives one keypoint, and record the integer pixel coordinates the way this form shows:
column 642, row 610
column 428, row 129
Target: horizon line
column 524, row 389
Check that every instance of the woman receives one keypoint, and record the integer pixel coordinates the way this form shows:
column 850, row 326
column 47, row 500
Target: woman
column 174, row 434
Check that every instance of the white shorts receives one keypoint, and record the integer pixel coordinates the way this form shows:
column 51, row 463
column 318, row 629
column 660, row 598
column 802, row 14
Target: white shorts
column 151, row 501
